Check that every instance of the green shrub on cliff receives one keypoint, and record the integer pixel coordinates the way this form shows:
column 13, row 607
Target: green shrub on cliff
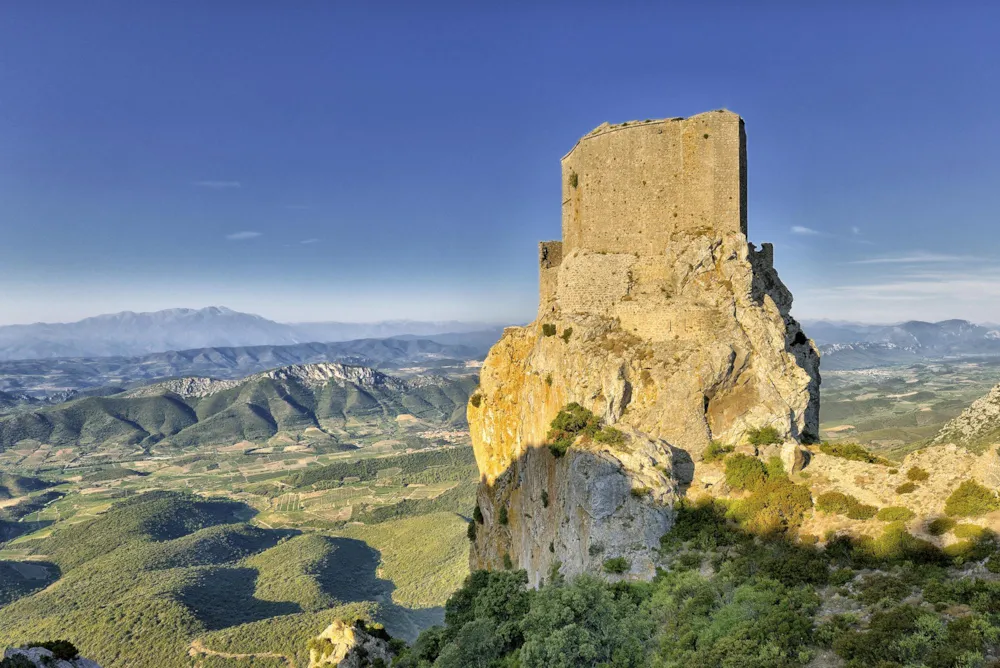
column 939, row 526
column 837, row 503
column 895, row 514
column 571, row 422
column 971, row 500
column 616, row 565
column 716, row 451
column 764, row 436
column 744, row 472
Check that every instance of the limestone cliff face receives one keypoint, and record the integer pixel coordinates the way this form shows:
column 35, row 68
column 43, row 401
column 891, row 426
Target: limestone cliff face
column 667, row 323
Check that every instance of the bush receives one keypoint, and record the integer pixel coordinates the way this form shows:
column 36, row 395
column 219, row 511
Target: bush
column 470, row 532
column 617, row 565
column 477, row 514
column 568, row 332
column 906, row 488
column 716, row 451
column 917, row 474
column 476, row 400
column 895, row 514
column 971, row 532
column 853, row 452
column 640, row 492
column 571, row 422
column 548, row 329
column 880, row 587
column 837, row 503
column 545, row 499
column 773, row 508
column 940, row 526
column 610, row 436
column 764, row 436
column 574, row 180
column 895, row 544
column 508, row 565
column 993, row 563
column 502, row 516
column 971, row 500
column 744, row 472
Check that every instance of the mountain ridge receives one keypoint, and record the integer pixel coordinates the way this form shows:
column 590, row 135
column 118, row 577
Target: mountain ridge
column 129, row 333
column 857, row 345
column 196, row 411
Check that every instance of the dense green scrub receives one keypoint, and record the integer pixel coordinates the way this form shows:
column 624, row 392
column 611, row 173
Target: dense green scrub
column 733, row 599
column 160, row 570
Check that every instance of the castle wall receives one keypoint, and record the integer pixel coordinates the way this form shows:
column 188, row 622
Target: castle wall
column 594, row 282
column 549, row 258
column 631, row 188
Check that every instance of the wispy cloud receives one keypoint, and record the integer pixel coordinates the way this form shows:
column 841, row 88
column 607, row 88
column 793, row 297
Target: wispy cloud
column 905, row 292
column 309, row 241
column 919, row 257
column 805, row 231
column 219, row 185
column 243, row 236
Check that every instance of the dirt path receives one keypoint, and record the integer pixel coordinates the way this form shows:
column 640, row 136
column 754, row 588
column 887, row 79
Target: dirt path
column 197, row 649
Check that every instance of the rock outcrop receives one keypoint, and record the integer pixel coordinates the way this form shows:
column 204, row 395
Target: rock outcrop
column 656, row 314
column 43, row 658
column 350, row 645
column 978, row 426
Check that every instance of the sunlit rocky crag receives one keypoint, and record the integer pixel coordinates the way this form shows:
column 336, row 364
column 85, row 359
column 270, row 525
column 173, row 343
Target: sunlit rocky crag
column 657, row 314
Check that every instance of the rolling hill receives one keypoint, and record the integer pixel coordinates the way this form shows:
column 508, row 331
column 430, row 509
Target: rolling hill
column 194, row 411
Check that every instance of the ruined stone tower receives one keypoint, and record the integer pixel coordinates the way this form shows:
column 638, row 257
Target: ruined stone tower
column 656, row 314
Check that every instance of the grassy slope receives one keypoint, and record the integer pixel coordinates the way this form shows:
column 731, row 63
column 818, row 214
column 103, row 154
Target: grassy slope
column 426, row 557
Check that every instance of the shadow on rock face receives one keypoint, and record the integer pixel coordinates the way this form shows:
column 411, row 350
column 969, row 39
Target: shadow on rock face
column 595, row 509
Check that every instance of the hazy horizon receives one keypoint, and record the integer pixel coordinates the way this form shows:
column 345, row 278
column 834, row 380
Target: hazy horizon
column 331, row 163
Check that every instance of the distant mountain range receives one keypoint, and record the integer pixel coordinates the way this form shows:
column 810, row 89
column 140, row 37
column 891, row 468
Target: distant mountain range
column 846, row 345
column 295, row 400
column 129, row 334
column 56, row 380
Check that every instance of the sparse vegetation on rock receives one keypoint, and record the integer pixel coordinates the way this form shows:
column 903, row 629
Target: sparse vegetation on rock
column 764, row 436
column 895, row 514
column 853, row 452
column 716, row 451
column 838, row 503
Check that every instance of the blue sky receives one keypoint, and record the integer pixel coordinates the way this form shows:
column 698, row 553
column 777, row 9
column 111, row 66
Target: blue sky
column 366, row 161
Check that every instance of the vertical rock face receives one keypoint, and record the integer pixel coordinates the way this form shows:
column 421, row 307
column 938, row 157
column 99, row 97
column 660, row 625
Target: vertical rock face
column 656, row 314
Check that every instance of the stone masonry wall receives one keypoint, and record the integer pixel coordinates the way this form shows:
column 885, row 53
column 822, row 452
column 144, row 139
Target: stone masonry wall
column 550, row 256
column 630, row 188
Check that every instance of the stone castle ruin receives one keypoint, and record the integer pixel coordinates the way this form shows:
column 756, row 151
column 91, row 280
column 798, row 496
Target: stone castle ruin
column 656, row 314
